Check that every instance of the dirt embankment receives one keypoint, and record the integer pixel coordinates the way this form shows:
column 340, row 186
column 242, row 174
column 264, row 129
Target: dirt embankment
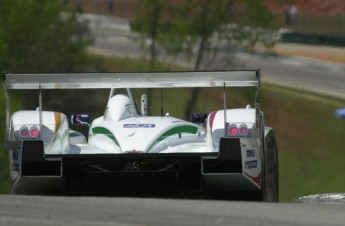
column 323, row 53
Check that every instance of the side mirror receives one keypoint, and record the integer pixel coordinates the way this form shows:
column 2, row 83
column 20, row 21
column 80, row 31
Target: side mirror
column 80, row 119
column 199, row 117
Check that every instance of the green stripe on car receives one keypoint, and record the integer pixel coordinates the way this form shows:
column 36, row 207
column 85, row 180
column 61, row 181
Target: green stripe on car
column 173, row 131
column 74, row 134
column 104, row 131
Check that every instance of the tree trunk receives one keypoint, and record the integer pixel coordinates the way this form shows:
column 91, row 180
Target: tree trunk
column 195, row 93
column 153, row 49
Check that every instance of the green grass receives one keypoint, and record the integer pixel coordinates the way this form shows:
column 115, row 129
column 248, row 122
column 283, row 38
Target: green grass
column 123, row 64
column 4, row 176
column 311, row 148
column 4, row 168
column 310, row 137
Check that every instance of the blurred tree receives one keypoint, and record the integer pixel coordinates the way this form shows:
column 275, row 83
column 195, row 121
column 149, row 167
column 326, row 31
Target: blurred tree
column 198, row 30
column 36, row 37
column 150, row 23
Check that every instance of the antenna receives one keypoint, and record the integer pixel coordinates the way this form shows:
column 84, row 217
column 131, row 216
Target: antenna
column 225, row 119
column 143, row 105
column 8, row 113
column 40, row 108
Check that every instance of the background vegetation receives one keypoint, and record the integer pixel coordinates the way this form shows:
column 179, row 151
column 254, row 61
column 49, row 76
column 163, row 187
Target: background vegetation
column 198, row 30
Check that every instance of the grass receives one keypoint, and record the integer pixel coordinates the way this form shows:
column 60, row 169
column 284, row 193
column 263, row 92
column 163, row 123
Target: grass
column 312, row 157
column 311, row 148
column 4, row 176
column 4, row 168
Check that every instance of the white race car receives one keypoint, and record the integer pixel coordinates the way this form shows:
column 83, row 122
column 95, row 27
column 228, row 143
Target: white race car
column 222, row 153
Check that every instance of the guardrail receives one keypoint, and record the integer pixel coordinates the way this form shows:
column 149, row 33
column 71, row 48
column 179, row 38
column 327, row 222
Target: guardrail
column 314, row 39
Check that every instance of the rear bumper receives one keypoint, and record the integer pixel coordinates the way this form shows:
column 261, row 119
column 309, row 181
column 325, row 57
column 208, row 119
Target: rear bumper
column 132, row 174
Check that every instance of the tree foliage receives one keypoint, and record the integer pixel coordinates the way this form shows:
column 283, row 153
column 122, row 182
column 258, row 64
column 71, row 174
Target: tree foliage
column 41, row 36
column 200, row 29
column 150, row 22
column 36, row 37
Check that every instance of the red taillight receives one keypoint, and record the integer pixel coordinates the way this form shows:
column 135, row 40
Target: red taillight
column 34, row 133
column 24, row 133
column 29, row 133
column 241, row 131
column 233, row 131
column 244, row 131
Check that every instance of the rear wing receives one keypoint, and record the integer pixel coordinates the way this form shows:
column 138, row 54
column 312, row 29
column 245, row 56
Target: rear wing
column 239, row 78
column 132, row 80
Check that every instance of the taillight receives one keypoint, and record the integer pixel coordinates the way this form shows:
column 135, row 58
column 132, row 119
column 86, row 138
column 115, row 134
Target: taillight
column 34, row 133
column 24, row 132
column 243, row 130
column 233, row 131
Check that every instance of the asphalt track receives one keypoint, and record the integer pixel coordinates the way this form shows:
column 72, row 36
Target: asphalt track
column 41, row 210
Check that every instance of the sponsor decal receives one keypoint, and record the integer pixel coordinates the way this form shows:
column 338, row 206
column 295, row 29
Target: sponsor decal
column 139, row 125
column 250, row 153
column 251, row 164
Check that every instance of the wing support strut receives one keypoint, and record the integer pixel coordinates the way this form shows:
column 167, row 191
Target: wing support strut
column 225, row 119
column 7, row 135
column 40, row 108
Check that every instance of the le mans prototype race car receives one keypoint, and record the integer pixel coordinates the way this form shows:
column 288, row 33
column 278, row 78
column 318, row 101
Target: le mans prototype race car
column 127, row 152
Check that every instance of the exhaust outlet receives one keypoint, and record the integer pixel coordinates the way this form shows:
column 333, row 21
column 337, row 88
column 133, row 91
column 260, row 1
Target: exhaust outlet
column 85, row 165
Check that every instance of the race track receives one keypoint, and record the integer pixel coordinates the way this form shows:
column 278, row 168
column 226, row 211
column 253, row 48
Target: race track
column 40, row 210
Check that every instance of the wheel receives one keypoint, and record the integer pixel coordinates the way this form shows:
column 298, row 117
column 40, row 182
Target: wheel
column 271, row 170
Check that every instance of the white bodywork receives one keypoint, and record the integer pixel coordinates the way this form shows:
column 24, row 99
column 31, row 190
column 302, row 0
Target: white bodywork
column 123, row 130
column 250, row 144
column 53, row 132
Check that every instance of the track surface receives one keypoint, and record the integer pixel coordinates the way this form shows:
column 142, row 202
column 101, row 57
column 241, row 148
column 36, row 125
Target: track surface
column 40, row 210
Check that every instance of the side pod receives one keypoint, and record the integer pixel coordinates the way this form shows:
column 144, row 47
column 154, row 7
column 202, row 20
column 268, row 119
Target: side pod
column 33, row 162
column 229, row 159
column 225, row 173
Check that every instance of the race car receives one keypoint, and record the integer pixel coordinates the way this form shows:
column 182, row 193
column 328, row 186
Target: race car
column 223, row 152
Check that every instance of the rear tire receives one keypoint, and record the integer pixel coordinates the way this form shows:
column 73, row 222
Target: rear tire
column 270, row 172
column 270, row 188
